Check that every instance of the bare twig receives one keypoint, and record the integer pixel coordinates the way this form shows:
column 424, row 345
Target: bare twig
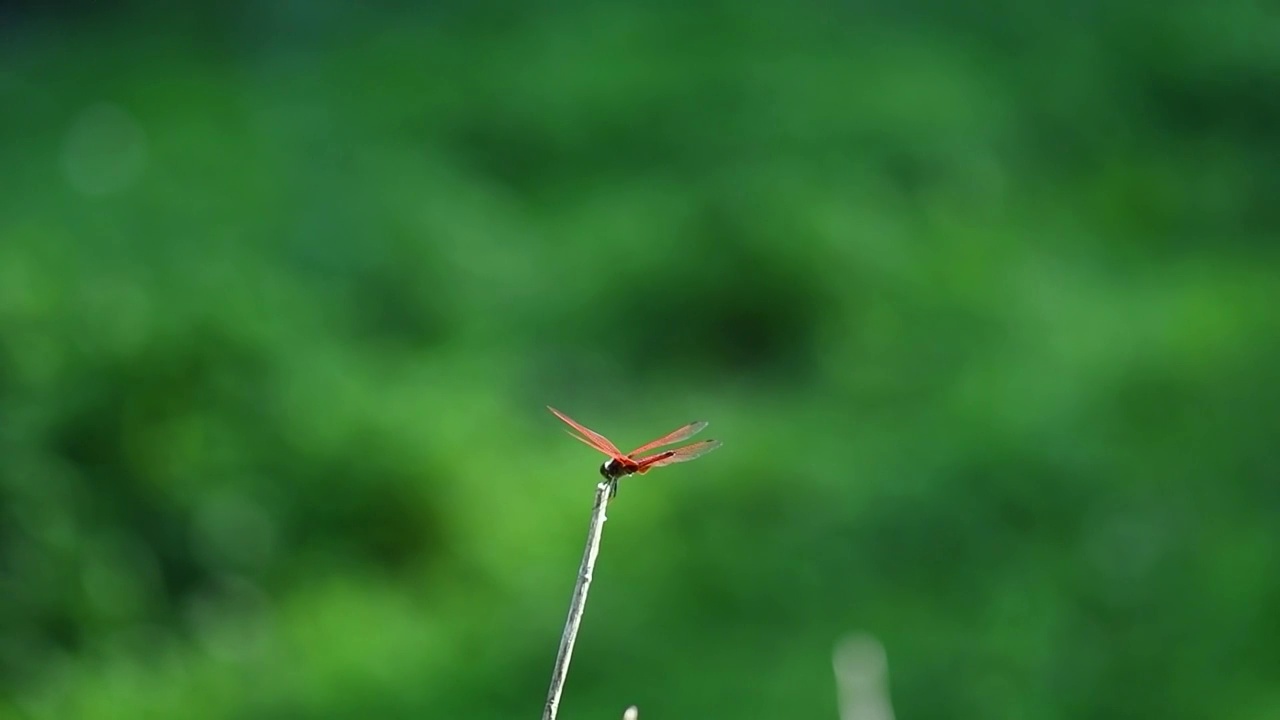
column 579, row 602
column 862, row 670
column 632, row 713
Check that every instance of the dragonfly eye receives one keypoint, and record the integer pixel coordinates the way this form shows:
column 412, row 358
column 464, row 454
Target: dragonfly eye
column 612, row 469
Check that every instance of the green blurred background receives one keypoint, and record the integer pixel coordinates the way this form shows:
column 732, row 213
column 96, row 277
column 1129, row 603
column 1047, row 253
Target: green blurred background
column 981, row 299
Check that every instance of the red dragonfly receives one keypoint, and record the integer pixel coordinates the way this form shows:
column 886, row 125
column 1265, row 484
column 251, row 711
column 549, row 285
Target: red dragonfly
column 619, row 465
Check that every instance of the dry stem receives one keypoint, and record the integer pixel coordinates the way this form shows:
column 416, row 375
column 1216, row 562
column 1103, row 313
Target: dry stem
column 862, row 680
column 579, row 602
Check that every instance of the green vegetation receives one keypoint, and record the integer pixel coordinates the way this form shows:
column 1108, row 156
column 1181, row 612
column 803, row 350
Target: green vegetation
column 982, row 300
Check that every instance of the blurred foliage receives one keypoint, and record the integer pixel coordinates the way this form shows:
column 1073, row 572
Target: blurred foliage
column 980, row 298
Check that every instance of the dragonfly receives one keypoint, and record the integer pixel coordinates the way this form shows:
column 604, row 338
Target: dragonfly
column 621, row 464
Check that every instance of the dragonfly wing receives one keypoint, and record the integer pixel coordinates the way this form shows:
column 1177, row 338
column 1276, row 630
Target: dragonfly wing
column 594, row 439
column 588, row 443
column 679, row 455
column 674, row 436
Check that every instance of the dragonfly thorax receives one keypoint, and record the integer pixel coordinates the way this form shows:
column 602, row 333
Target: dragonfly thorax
column 612, row 469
